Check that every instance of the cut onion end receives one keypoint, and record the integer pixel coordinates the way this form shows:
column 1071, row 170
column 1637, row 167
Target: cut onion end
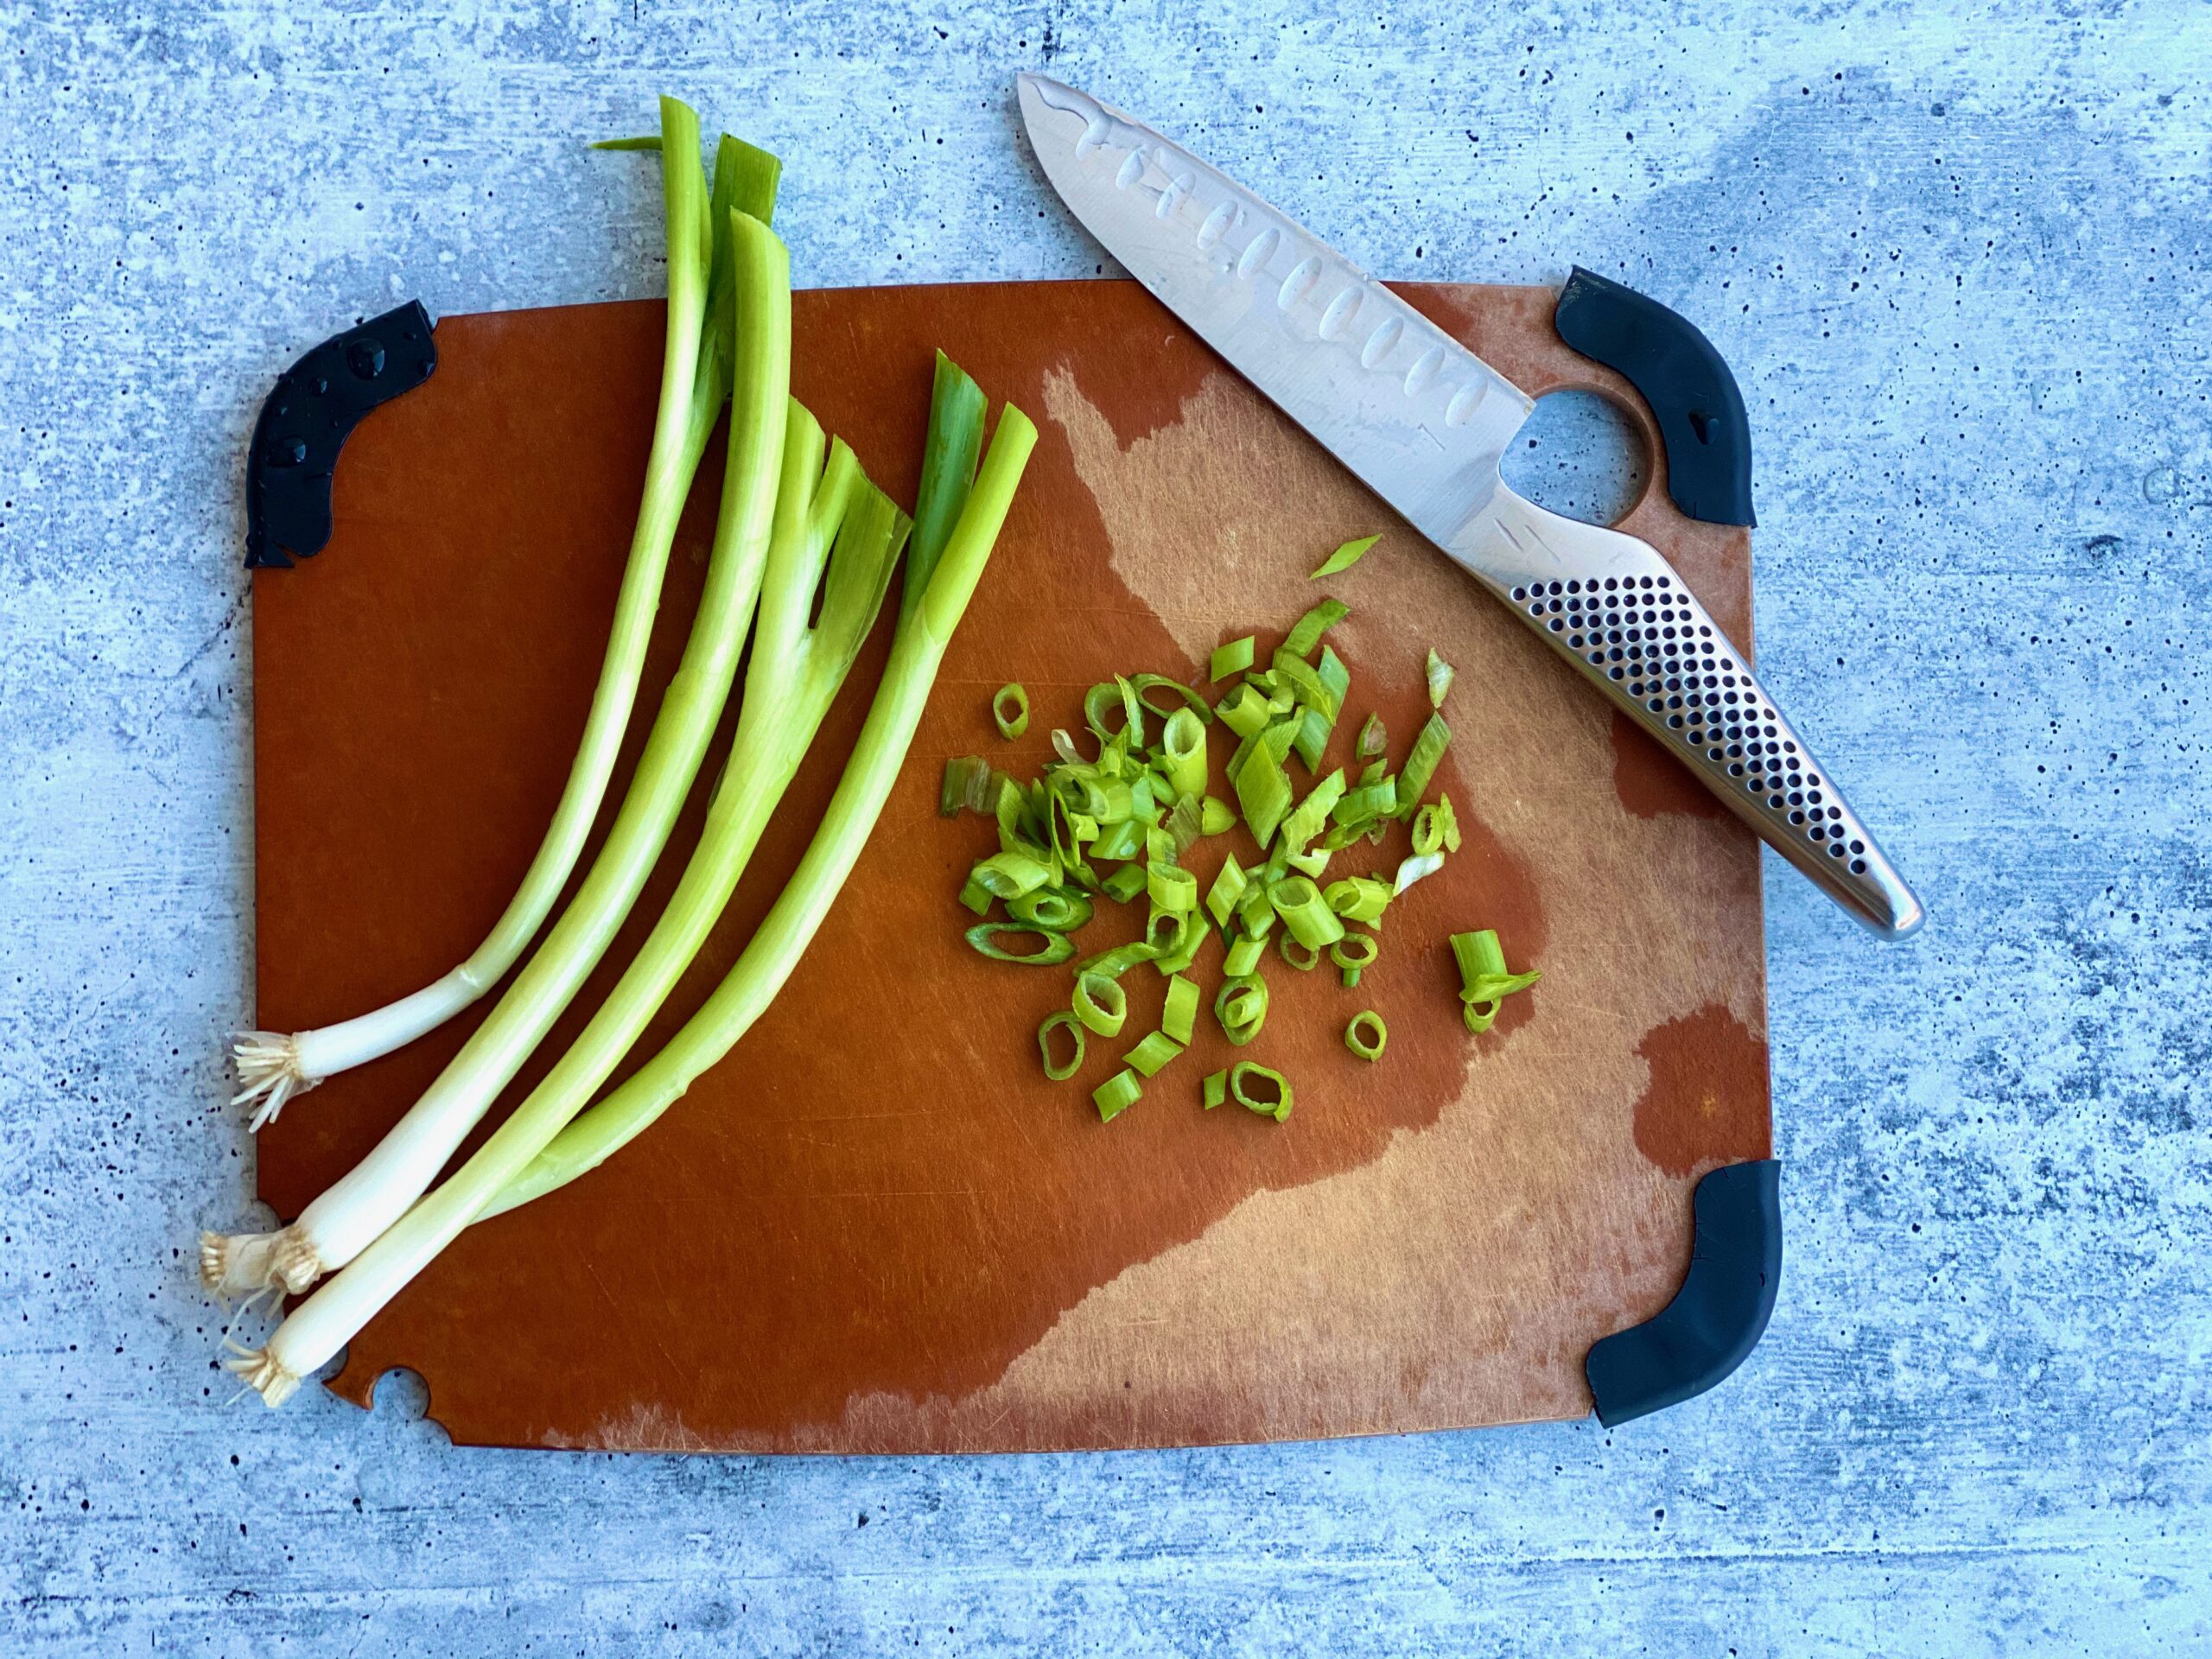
column 268, row 1073
column 234, row 1265
column 262, row 1373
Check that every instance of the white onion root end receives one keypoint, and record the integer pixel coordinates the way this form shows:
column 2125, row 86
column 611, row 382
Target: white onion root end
column 235, row 1265
column 269, row 1072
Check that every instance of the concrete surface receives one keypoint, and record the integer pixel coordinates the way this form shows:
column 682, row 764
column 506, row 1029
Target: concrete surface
column 1958, row 255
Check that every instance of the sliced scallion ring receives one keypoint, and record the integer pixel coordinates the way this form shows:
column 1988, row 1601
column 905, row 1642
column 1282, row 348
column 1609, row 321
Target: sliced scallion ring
column 1058, row 947
column 1062, row 1020
column 1154, row 1052
column 1010, row 710
column 1366, row 1034
column 1241, row 1007
column 1146, row 684
column 1298, row 954
column 1051, row 907
column 1099, row 1003
column 1353, row 952
column 1304, row 912
column 1251, row 1085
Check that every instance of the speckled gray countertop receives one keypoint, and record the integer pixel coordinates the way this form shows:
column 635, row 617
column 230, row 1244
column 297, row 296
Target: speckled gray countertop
column 1958, row 257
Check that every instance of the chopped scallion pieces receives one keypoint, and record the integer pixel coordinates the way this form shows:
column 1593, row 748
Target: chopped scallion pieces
column 1119, row 960
column 1215, row 1089
column 1295, row 951
column 1154, row 1052
column 1008, row 875
column 1183, row 950
column 1146, row 684
column 1374, row 740
column 1440, row 679
column 1232, row 658
column 1099, row 1003
column 1307, row 632
column 1245, row 955
column 1333, row 673
column 1305, row 683
column 1010, row 710
column 1259, row 1088
column 1179, row 1017
column 1312, row 738
column 1057, row 948
column 1344, row 557
column 1216, row 817
column 1116, row 1094
column 1099, row 704
column 1421, row 764
column 970, row 784
column 1062, row 1020
column 1263, row 789
column 976, row 897
column 1449, row 820
column 1366, row 1034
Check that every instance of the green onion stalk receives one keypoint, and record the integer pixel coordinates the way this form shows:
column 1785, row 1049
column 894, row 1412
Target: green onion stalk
column 544, row 1143
column 274, row 1066
column 340, row 1224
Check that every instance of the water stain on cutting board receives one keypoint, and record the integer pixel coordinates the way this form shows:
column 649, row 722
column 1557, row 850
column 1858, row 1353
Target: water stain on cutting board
column 875, row 1225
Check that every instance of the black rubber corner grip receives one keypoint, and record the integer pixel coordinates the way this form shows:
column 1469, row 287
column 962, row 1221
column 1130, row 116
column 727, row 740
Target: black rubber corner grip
column 1718, row 1314
column 1686, row 382
column 306, row 420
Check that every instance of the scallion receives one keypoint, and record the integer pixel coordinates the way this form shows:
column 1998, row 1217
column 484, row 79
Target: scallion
column 1010, row 710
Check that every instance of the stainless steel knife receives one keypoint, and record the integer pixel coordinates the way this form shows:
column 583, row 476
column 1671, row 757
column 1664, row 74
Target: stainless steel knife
column 1423, row 421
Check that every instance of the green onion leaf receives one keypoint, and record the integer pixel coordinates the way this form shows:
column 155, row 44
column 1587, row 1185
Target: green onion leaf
column 1062, row 1020
column 1179, row 1017
column 1216, row 1089
column 1306, row 633
column 1333, row 673
column 950, row 454
column 1263, row 790
column 1154, row 1052
column 1363, row 805
column 1231, row 658
column 1099, row 1003
column 1344, row 557
column 1244, row 710
column 1306, row 683
column 1259, row 1088
column 644, row 141
column 1011, row 725
column 1310, row 862
column 1057, row 948
column 1215, row 818
column 1373, row 739
column 1449, row 820
column 1099, row 704
column 970, row 784
column 1312, row 738
column 1421, row 764
column 1146, row 684
column 976, row 897
column 1116, row 1094
column 1366, row 1035
column 1440, row 679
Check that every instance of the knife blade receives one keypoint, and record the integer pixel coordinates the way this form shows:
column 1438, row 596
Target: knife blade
column 1424, row 422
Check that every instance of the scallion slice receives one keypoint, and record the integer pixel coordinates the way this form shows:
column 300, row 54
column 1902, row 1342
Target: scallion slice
column 1421, row 764
column 1311, row 815
column 1053, row 907
column 1344, row 557
column 1353, row 953
column 1057, row 948
column 1171, row 888
column 1149, row 1055
column 1366, row 1035
column 1116, row 1094
column 1259, row 1088
column 1304, row 912
column 1241, row 1007
column 1244, row 710
column 1307, row 632
column 1295, row 951
column 1146, row 684
column 1414, row 869
column 1358, row 898
column 1120, row 959
column 1231, row 658
column 1216, row 817
column 1215, row 1090
column 1179, row 1017
column 1124, row 884
column 1227, row 888
column 1183, row 748
column 1243, row 954
column 1010, row 710
column 1485, row 980
column 1099, row 1003
column 1067, row 1021
column 1440, row 679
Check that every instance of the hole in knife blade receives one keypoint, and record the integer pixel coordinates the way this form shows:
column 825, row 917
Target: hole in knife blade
column 1578, row 456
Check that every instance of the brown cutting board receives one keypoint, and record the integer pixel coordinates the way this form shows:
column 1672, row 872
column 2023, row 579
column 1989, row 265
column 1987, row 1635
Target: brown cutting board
column 876, row 1227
